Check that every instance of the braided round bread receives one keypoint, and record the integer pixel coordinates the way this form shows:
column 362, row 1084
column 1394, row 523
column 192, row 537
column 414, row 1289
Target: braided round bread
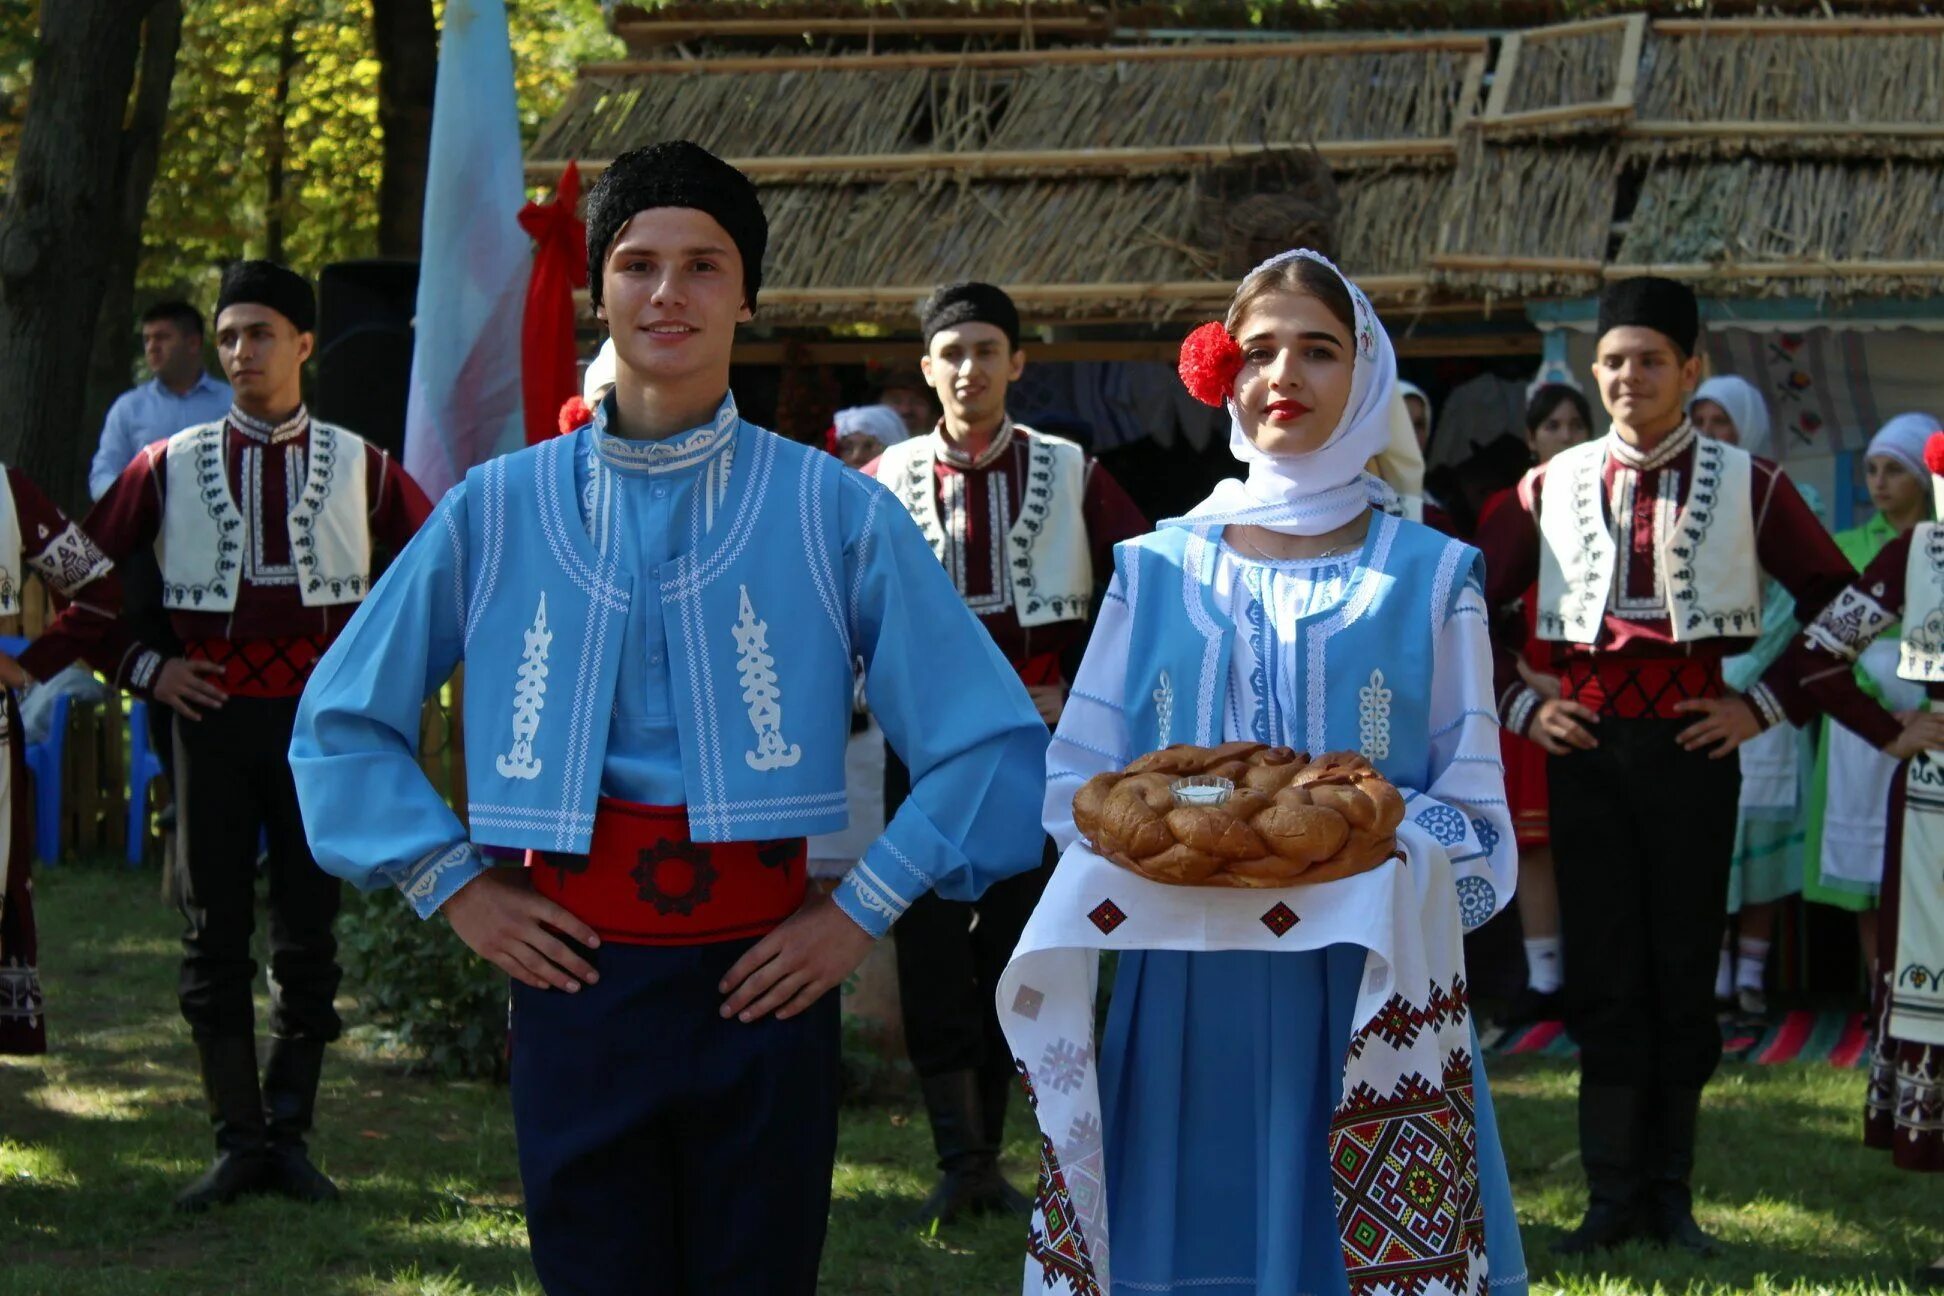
column 1289, row 819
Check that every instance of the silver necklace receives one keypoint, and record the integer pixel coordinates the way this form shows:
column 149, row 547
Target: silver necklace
column 1327, row 553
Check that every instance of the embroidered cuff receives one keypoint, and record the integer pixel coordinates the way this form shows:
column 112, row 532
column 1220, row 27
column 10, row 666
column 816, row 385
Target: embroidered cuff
column 430, row 881
column 142, row 671
column 1850, row 623
column 867, row 901
column 1768, row 707
column 1516, row 708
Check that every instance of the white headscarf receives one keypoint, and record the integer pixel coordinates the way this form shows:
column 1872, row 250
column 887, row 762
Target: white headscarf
column 880, row 421
column 1746, row 410
column 1903, row 439
column 600, row 372
column 1323, row 489
column 1412, row 389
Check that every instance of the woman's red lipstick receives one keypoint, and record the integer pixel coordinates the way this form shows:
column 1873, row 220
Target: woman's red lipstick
column 1286, row 411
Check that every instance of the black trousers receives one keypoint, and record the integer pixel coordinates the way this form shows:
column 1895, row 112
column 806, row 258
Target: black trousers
column 1643, row 834
column 664, row 1149
column 951, row 954
column 234, row 791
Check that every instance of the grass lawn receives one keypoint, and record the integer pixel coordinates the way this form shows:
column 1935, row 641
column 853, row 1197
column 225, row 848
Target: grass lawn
column 96, row 1137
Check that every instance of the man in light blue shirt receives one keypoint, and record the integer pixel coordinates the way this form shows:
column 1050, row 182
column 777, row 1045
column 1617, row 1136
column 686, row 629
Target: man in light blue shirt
column 181, row 395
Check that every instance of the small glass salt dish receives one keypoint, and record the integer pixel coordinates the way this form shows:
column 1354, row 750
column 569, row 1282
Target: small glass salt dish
column 1206, row 790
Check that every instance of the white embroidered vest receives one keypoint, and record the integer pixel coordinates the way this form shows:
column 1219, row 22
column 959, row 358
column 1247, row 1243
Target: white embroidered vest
column 204, row 532
column 1920, row 656
column 11, row 571
column 1706, row 553
column 1048, row 571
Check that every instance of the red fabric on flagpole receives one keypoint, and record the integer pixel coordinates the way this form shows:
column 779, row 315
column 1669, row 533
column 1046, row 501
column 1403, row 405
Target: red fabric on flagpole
column 547, row 353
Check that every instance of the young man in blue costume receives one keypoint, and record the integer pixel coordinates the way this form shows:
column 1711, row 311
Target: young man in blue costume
column 659, row 615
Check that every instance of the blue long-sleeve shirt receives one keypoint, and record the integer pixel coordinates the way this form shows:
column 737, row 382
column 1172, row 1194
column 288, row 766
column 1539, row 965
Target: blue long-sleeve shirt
column 930, row 672
column 146, row 414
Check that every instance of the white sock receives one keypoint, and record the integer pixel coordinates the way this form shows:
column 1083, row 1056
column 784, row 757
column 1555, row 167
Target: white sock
column 1725, row 975
column 1544, row 966
column 1751, row 958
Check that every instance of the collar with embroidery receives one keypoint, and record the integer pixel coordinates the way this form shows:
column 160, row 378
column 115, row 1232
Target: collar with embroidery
column 957, row 458
column 267, row 432
column 1671, row 447
column 678, row 453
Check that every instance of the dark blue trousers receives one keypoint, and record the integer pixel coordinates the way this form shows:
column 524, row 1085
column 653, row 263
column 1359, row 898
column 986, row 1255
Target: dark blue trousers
column 664, row 1149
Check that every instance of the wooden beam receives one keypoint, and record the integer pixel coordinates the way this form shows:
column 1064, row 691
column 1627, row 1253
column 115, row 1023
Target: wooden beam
column 1060, row 160
column 665, row 31
column 1555, row 115
column 1459, row 44
column 1582, row 27
column 1468, row 106
column 1784, row 270
column 1796, row 26
column 1489, row 264
column 1783, row 130
column 1630, row 46
column 1508, row 63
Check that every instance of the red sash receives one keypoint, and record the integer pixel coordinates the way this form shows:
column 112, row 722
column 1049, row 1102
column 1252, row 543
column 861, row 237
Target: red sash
column 1639, row 688
column 644, row 882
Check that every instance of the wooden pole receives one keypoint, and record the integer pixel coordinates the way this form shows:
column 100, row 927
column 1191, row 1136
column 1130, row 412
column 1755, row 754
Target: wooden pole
column 1060, row 160
column 1552, row 116
column 1488, row 264
column 669, row 31
column 1784, row 270
column 1784, row 130
column 1797, row 26
column 1458, row 44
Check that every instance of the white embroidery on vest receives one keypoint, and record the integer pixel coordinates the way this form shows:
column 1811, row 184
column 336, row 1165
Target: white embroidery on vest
column 761, row 693
column 1373, row 718
column 1164, row 710
column 529, row 695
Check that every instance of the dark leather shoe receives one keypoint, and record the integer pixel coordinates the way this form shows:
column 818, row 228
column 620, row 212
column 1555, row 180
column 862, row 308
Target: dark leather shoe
column 230, row 1175
column 290, row 1172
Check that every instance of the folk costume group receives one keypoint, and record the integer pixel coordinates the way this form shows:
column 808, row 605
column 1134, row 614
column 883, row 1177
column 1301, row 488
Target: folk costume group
column 664, row 614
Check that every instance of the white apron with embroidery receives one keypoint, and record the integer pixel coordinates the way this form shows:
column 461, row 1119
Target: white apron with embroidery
column 1410, row 1022
column 11, row 571
column 1706, row 553
column 1917, row 972
column 203, row 530
column 1047, row 575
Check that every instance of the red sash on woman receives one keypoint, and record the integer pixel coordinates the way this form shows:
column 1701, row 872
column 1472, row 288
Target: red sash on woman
column 645, row 882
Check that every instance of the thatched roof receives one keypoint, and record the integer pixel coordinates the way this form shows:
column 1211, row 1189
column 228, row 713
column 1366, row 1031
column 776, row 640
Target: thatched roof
column 1756, row 157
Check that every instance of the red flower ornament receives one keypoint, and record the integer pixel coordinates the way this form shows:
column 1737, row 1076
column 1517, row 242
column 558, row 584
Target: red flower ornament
column 1934, row 453
column 576, row 413
column 1210, row 359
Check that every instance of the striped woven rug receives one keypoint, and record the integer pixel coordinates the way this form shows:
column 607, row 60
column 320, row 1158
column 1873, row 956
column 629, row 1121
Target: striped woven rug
column 1836, row 1038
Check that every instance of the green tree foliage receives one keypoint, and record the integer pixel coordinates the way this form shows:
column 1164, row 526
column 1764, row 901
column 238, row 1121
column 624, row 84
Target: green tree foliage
column 214, row 196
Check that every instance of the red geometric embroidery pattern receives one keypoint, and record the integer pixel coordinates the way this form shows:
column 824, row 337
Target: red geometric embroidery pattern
column 1405, row 1167
column 261, row 668
column 1280, row 920
column 1106, row 915
column 675, row 877
column 1060, row 1251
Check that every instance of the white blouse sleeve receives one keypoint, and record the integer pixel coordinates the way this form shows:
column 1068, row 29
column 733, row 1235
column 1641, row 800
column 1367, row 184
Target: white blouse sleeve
column 1465, row 809
column 1092, row 734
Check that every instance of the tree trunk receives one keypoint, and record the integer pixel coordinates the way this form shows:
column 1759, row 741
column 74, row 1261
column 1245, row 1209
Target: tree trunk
column 273, row 223
column 407, row 42
column 112, row 357
column 63, row 210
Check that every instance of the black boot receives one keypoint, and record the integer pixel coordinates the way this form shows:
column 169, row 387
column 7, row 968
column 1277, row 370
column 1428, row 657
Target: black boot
column 289, row 1098
column 997, row 1084
column 969, row 1182
column 1610, row 1126
column 1670, row 1167
column 229, row 1076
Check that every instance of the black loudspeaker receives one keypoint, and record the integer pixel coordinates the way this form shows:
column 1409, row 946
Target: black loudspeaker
column 364, row 348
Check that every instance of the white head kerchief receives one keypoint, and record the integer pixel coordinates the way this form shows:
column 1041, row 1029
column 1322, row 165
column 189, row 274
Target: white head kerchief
column 600, row 372
column 1902, row 439
column 1746, row 410
column 880, row 421
column 1326, row 488
column 1412, row 389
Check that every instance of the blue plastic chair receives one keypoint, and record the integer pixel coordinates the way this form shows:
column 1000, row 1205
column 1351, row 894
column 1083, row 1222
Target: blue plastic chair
column 144, row 767
column 46, row 760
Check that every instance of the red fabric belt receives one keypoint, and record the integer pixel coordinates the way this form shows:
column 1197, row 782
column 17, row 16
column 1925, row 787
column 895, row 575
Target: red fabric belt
column 1630, row 688
column 1039, row 669
column 645, row 882
column 261, row 668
